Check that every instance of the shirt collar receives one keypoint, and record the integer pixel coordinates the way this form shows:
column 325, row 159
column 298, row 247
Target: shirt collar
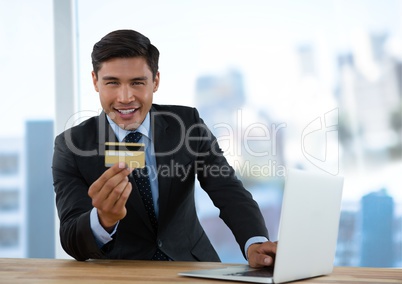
column 144, row 128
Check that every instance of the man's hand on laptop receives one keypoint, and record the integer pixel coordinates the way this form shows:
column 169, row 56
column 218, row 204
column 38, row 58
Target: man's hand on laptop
column 261, row 254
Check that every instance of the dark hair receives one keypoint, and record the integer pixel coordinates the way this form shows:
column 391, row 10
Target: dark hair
column 124, row 44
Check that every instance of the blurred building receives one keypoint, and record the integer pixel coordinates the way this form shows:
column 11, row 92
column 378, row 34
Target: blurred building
column 12, row 201
column 250, row 138
column 377, row 230
column 26, row 193
column 369, row 92
column 39, row 187
column 370, row 98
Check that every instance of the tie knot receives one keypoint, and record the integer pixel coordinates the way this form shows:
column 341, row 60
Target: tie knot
column 132, row 137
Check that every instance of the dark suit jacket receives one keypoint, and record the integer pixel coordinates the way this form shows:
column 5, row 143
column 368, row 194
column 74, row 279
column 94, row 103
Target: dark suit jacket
column 185, row 147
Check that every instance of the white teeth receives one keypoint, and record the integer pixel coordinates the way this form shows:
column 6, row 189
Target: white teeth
column 126, row 111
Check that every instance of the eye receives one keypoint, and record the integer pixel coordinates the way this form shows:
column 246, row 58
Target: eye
column 138, row 83
column 111, row 83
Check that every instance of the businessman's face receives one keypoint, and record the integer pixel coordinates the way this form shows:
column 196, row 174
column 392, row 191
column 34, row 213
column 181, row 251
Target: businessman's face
column 126, row 87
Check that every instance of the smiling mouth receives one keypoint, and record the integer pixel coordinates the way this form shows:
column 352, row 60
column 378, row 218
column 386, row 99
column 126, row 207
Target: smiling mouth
column 126, row 111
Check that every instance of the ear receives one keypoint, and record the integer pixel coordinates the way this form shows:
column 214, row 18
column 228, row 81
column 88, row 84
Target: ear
column 95, row 81
column 156, row 81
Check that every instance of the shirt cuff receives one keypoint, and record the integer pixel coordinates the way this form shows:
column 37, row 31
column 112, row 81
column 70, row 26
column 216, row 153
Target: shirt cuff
column 102, row 237
column 253, row 240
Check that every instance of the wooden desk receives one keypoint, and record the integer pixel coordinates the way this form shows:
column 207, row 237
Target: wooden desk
column 126, row 271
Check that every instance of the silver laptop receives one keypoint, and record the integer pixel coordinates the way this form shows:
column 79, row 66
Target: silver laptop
column 308, row 232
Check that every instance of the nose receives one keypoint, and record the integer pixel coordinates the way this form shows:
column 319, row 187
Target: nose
column 125, row 94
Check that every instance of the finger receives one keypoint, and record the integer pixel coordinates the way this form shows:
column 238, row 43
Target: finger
column 262, row 254
column 104, row 181
column 111, row 192
column 261, row 260
column 118, row 192
column 268, row 248
column 112, row 171
column 120, row 204
column 113, row 210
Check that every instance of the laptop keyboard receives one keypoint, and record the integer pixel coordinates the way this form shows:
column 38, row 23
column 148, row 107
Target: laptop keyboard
column 263, row 272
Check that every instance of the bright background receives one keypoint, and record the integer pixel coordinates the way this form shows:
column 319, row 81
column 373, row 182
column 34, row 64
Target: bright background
column 327, row 75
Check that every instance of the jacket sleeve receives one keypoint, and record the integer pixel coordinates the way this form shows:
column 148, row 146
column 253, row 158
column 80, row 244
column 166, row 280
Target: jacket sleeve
column 73, row 204
column 238, row 209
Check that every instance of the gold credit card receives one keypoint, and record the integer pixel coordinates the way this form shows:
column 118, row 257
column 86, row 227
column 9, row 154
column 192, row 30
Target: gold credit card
column 130, row 153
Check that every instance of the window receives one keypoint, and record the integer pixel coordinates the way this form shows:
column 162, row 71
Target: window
column 27, row 72
column 9, row 237
column 9, row 199
column 323, row 76
column 9, row 163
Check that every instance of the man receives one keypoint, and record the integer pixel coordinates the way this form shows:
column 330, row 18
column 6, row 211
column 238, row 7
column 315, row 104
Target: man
column 103, row 212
